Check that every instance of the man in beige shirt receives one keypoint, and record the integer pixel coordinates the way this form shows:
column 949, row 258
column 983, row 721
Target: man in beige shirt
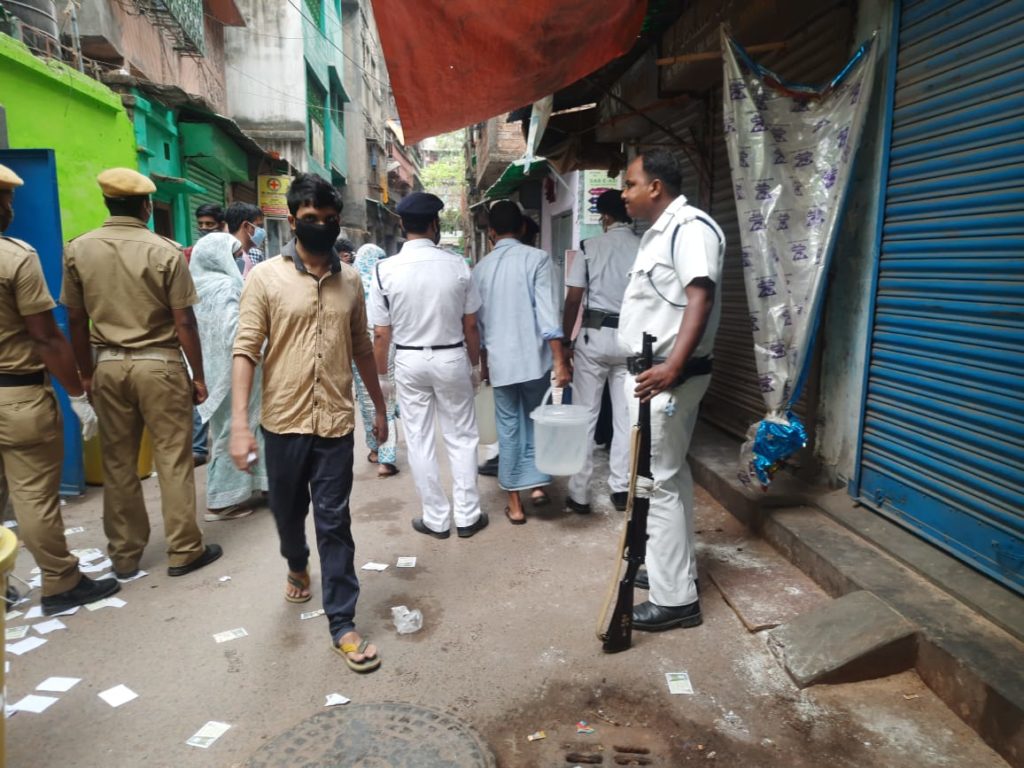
column 31, row 443
column 308, row 309
column 135, row 289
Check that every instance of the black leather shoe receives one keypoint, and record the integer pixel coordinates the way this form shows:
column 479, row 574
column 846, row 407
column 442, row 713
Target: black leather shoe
column 466, row 531
column 125, row 575
column 643, row 581
column 211, row 553
column 575, row 506
column 620, row 500
column 649, row 617
column 86, row 591
column 420, row 527
column 489, row 467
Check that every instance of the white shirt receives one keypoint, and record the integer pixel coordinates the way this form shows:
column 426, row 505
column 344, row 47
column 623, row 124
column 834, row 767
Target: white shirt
column 655, row 297
column 608, row 258
column 423, row 293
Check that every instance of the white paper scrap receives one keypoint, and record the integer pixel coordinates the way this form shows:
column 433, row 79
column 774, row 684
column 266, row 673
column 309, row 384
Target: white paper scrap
column 118, row 695
column 33, row 703
column 336, row 698
column 46, row 627
column 12, row 615
column 15, row 633
column 311, row 614
column 679, row 682
column 76, row 529
column 58, row 684
column 231, row 634
column 107, row 602
column 406, row 562
column 96, row 567
column 35, row 612
column 35, row 582
column 26, row 645
column 35, row 572
column 137, row 576
column 69, row 612
column 10, row 523
column 222, row 579
column 87, row 556
column 375, row 567
column 209, row 733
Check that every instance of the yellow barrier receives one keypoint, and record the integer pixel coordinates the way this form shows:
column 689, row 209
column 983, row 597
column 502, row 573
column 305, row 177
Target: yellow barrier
column 8, row 554
column 93, row 456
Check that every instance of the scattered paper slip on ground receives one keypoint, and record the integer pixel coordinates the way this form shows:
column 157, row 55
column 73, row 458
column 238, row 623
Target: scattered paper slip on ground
column 136, row 577
column 536, row 736
column 12, row 615
column 26, row 645
column 107, row 602
column 208, row 734
column 86, row 556
column 375, row 567
column 406, row 562
column 76, row 529
column 102, row 565
column 118, row 695
column 678, row 682
column 231, row 634
column 68, row 612
column 34, row 704
column 58, row 684
column 311, row 614
column 335, row 699
column 222, row 579
column 46, row 627
column 16, row 633
column 35, row 612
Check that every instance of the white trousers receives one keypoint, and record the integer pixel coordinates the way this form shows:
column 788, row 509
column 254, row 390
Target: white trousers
column 436, row 385
column 671, row 556
column 598, row 358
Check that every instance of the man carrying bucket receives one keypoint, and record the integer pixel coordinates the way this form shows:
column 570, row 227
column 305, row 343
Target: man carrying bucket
column 673, row 294
column 522, row 337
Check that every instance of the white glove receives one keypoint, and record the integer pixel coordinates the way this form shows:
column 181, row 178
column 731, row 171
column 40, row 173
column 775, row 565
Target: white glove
column 476, row 377
column 83, row 410
column 386, row 388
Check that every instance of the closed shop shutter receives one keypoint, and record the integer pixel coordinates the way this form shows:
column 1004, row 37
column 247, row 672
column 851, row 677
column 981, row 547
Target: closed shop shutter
column 943, row 441
column 210, row 182
column 733, row 401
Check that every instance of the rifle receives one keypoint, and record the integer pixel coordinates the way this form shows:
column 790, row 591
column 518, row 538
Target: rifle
column 633, row 545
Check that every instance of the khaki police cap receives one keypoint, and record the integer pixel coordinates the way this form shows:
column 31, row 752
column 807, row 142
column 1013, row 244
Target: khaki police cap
column 124, row 182
column 9, row 179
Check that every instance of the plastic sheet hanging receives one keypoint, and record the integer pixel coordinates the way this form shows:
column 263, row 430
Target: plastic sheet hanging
column 791, row 150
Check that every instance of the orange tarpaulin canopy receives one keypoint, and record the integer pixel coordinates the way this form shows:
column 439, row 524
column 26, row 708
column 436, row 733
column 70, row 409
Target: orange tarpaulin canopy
column 456, row 62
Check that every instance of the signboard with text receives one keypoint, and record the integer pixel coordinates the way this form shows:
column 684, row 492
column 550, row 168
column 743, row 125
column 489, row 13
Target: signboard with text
column 272, row 194
column 595, row 183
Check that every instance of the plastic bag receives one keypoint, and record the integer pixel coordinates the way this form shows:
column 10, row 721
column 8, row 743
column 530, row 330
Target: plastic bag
column 406, row 621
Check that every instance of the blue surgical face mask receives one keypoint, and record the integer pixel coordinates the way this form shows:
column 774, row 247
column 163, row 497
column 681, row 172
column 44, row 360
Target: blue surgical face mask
column 258, row 236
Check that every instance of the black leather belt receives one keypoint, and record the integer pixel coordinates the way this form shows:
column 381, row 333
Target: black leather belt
column 595, row 318
column 439, row 346
column 695, row 366
column 22, row 379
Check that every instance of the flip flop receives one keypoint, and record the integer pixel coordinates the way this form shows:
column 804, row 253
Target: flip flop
column 540, row 500
column 514, row 521
column 366, row 665
column 371, row 457
column 300, row 585
column 389, row 470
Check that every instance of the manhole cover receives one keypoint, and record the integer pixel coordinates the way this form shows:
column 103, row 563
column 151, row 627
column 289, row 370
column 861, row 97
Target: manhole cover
column 384, row 735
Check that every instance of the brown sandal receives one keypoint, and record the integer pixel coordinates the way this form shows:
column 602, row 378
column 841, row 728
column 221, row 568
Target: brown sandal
column 387, row 470
column 372, row 457
column 515, row 521
column 300, row 584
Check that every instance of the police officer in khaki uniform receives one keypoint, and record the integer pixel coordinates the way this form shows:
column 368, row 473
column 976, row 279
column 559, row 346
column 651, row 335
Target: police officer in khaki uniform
column 135, row 288
column 31, row 442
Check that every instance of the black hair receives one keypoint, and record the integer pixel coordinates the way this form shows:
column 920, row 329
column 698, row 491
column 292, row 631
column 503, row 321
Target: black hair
column 663, row 165
column 130, row 205
column 239, row 213
column 418, row 223
column 505, row 218
column 610, row 203
column 212, row 210
column 344, row 245
column 530, row 231
column 312, row 189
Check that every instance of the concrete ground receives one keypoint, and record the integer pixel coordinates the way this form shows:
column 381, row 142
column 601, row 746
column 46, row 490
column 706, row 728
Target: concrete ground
column 508, row 645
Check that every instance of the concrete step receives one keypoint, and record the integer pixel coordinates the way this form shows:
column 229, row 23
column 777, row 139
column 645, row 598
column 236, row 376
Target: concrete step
column 856, row 637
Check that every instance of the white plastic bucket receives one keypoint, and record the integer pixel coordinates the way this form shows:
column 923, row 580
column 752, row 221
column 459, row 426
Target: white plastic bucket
column 559, row 437
column 486, row 424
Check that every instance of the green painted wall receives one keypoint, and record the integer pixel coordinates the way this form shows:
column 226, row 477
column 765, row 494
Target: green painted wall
column 322, row 51
column 50, row 106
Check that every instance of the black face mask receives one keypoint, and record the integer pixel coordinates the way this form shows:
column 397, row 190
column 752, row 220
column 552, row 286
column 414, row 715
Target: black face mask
column 317, row 238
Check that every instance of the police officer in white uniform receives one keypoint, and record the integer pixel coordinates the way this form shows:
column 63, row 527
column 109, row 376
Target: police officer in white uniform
column 673, row 294
column 424, row 301
column 597, row 279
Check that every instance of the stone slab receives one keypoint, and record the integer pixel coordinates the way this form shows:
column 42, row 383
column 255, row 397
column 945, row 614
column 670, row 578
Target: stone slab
column 762, row 587
column 856, row 636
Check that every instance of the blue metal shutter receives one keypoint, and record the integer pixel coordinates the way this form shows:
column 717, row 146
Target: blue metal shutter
column 943, row 443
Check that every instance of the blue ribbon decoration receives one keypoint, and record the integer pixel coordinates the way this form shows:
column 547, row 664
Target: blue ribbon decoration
column 774, row 443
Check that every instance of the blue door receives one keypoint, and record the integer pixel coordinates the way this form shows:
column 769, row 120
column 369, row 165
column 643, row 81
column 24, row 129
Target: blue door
column 37, row 222
column 942, row 448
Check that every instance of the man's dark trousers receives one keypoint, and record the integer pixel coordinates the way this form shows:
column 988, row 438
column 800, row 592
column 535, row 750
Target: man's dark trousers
column 300, row 466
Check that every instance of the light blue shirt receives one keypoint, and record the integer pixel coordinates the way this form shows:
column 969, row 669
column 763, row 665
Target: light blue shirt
column 518, row 315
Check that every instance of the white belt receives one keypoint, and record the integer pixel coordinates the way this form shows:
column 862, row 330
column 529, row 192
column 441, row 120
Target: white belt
column 104, row 354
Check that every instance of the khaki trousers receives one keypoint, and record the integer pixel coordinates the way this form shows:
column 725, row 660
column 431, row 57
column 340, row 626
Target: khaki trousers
column 31, row 453
column 156, row 394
